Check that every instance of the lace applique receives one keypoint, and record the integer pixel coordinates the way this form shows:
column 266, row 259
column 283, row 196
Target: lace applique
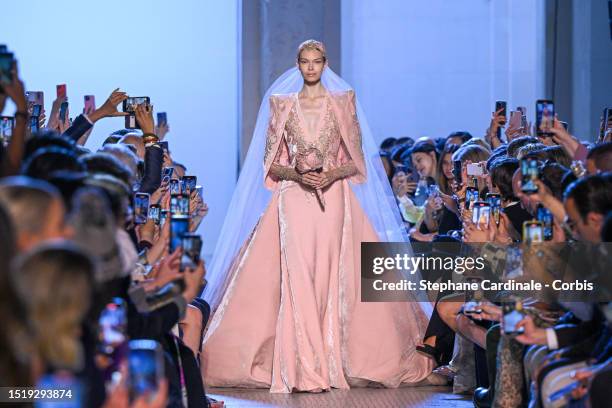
column 327, row 142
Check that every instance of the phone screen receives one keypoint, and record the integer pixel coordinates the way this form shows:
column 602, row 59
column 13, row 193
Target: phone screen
column 179, row 225
column 112, row 326
column 501, row 105
column 530, row 173
column 129, row 105
column 192, row 246
column 471, row 196
column 481, row 213
column 155, row 213
column 61, row 91
column 179, row 204
column 175, row 187
column 7, row 123
column 145, row 368
column 63, row 111
column 457, row 170
column 36, row 110
column 545, row 115
column 33, row 124
column 141, row 207
column 494, row 201
column 188, row 184
column 546, row 218
column 162, row 118
column 511, row 315
column 533, row 232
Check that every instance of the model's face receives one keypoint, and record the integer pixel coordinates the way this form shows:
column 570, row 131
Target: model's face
column 311, row 64
column 424, row 163
column 447, row 166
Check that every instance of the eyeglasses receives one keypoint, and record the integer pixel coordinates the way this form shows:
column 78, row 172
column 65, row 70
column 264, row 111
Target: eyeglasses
column 569, row 223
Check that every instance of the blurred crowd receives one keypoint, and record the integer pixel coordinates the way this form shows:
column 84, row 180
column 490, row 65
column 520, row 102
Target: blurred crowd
column 517, row 184
column 100, row 268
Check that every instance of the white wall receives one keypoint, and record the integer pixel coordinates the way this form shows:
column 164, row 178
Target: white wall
column 184, row 55
column 426, row 68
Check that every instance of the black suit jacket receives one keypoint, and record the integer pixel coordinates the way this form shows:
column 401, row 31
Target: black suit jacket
column 79, row 127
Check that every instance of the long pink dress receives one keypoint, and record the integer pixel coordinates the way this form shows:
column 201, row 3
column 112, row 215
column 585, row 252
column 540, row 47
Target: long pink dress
column 291, row 318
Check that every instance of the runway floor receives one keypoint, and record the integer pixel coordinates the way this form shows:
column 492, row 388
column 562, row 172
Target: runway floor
column 354, row 398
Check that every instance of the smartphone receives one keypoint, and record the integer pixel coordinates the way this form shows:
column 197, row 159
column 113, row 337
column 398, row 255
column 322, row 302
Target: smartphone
column 515, row 119
column 7, row 124
column 457, row 170
column 155, row 213
column 6, row 67
column 34, row 124
column 167, row 172
column 530, row 173
column 200, row 192
column 546, row 218
column 90, row 103
column 112, row 326
column 481, row 213
column 145, row 369
column 36, row 110
column 175, row 186
column 475, row 169
column 61, row 91
column 163, row 216
column 501, row 105
column 179, row 225
column 512, row 313
column 471, row 196
column 533, row 232
column 164, row 146
column 545, row 116
column 565, row 126
column 192, row 246
column 129, row 106
column 63, row 111
column 35, row 98
column 141, row 207
column 188, row 184
column 179, row 204
column 494, row 201
column 162, row 118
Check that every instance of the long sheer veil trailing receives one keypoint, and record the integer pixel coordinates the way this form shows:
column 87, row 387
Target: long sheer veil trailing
column 251, row 198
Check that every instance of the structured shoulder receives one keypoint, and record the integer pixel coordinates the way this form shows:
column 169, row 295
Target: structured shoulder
column 281, row 97
column 345, row 95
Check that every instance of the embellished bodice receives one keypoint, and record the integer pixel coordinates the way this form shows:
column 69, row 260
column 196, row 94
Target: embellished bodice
column 325, row 138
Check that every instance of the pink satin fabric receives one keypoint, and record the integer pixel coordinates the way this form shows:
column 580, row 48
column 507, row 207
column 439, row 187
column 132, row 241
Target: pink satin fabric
column 291, row 317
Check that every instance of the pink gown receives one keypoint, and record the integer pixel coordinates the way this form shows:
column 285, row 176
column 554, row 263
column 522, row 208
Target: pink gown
column 291, row 318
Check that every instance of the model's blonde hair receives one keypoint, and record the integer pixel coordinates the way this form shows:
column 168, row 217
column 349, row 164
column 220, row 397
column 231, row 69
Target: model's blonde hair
column 55, row 284
column 312, row 45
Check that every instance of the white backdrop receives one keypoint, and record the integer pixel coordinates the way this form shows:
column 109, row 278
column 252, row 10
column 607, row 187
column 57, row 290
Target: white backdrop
column 426, row 68
column 184, row 55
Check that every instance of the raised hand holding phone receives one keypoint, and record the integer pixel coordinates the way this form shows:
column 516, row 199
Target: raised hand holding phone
column 562, row 137
column 144, row 117
column 109, row 107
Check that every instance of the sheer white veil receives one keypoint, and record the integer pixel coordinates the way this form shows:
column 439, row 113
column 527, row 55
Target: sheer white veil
column 251, row 198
